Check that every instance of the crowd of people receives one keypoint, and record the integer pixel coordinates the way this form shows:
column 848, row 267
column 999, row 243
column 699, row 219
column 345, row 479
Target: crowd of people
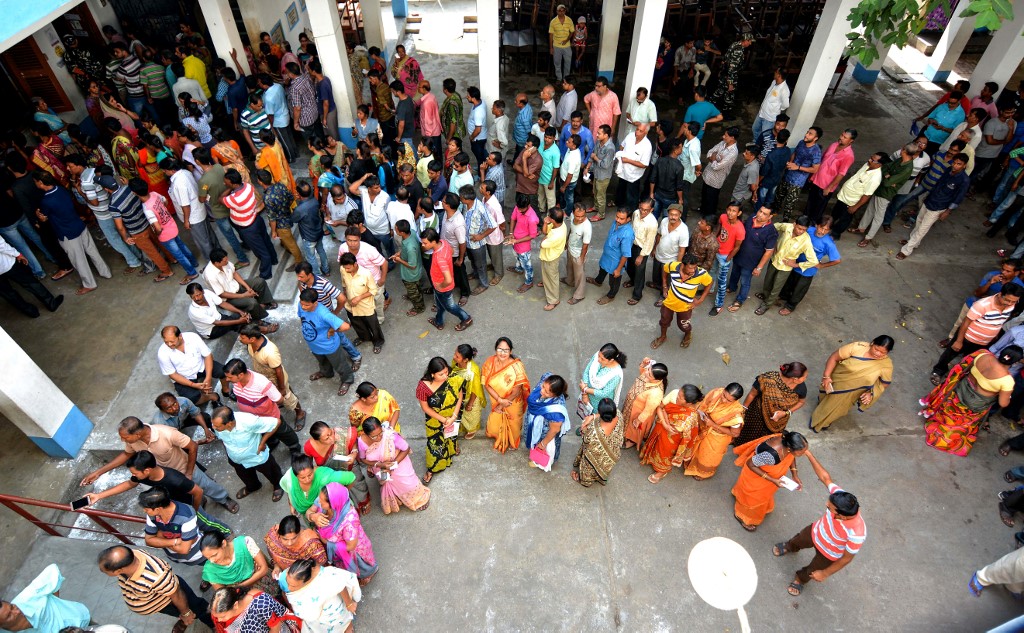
column 426, row 189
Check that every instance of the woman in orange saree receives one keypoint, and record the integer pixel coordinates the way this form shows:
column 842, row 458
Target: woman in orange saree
column 272, row 158
column 721, row 417
column 764, row 462
column 674, row 434
column 226, row 152
column 504, row 378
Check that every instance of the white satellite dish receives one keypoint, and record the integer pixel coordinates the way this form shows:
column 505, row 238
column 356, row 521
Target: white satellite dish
column 723, row 575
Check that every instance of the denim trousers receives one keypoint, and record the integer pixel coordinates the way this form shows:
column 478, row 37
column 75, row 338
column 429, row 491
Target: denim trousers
column 445, row 302
column 308, row 249
column 257, row 239
column 724, row 266
column 661, row 205
column 524, row 264
column 132, row 255
column 740, row 278
column 898, row 202
column 570, row 197
column 228, row 231
column 16, row 234
column 180, row 252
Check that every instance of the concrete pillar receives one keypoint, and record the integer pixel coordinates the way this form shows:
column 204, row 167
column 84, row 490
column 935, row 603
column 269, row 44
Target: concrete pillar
column 488, row 47
column 611, row 20
column 1003, row 55
column 949, row 48
column 400, row 8
column 868, row 75
column 330, row 46
column 31, row 401
column 379, row 27
column 223, row 32
column 826, row 48
column 650, row 19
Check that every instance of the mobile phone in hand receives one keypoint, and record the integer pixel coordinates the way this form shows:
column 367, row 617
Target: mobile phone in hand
column 78, row 504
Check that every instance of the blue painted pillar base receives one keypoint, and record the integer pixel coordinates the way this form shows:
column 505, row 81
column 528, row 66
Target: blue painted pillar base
column 865, row 75
column 69, row 438
column 608, row 74
column 935, row 76
column 400, row 8
column 344, row 135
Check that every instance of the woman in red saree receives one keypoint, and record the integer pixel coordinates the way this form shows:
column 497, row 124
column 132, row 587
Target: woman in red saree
column 955, row 408
column 673, row 436
column 764, row 462
column 48, row 153
column 289, row 541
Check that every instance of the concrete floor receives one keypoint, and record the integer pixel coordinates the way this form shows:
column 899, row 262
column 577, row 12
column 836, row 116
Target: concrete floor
column 504, row 547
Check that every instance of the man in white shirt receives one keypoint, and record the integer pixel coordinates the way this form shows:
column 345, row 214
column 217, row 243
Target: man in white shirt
column 339, row 205
column 670, row 243
column 498, row 130
column 640, row 110
column 577, row 245
column 189, row 363
column 461, row 174
column 184, row 194
column 476, row 124
column 547, row 102
column 399, row 209
column 690, row 158
column 252, row 297
column 205, row 314
column 569, row 171
column 567, row 104
column 375, row 214
column 14, row 267
column 634, row 156
column 495, row 239
column 776, row 101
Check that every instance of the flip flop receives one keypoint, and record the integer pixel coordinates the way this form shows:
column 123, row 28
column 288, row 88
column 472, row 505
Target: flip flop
column 243, row 493
column 188, row 279
column 241, row 265
column 736, row 305
column 523, row 288
column 427, row 478
column 574, row 301
column 795, row 588
column 160, row 278
column 61, row 274
column 1008, row 476
column 231, row 506
column 413, row 312
column 761, row 309
column 863, row 243
column 463, row 301
column 936, row 379
column 658, row 342
column 300, row 421
column 785, row 312
column 654, row 479
column 900, row 256
column 975, row 586
column 749, row 528
column 1004, row 450
column 779, row 549
column 357, row 363
column 273, row 327
column 343, row 389
column 84, row 291
column 1005, row 515
column 316, row 376
column 547, row 308
column 277, row 496
column 127, row 272
column 632, row 302
column 462, row 326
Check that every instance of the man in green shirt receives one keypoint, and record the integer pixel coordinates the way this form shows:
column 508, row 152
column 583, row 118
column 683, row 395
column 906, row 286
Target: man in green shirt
column 158, row 95
column 412, row 266
column 894, row 174
column 552, row 159
column 211, row 188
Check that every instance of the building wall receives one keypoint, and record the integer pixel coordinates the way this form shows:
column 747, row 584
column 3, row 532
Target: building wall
column 263, row 15
column 48, row 41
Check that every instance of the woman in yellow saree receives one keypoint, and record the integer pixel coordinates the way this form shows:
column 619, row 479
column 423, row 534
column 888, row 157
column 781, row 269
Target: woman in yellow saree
column 466, row 368
column 674, row 434
column 721, row 417
column 504, row 378
column 855, row 374
column 373, row 402
column 764, row 462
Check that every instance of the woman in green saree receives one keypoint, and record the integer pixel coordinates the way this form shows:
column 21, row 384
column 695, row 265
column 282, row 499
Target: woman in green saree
column 236, row 563
column 304, row 481
column 440, row 394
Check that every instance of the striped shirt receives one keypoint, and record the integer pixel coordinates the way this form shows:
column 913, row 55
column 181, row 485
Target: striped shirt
column 153, row 78
column 126, row 205
column 986, row 318
column 151, row 587
column 242, row 205
column 259, row 397
column 184, row 525
column 326, row 292
column 128, row 73
column 833, row 537
column 95, row 195
column 254, row 122
column 682, row 291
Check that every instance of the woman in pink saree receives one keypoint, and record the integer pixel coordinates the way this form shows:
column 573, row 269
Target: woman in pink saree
column 339, row 528
column 406, row 70
column 385, row 454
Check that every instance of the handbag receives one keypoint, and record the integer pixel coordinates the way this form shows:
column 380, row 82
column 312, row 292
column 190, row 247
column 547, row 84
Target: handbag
column 539, row 457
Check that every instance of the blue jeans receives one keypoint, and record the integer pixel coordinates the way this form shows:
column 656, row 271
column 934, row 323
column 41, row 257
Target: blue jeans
column 724, row 266
column 1004, row 184
column 741, row 277
column 899, row 202
column 137, row 104
column 388, row 244
column 13, row 235
column 570, row 197
column 765, row 197
column 307, row 250
column 760, row 125
column 228, row 231
column 132, row 255
column 661, row 206
column 1008, row 200
column 257, row 239
column 350, row 349
column 445, row 302
column 181, row 253
column 524, row 264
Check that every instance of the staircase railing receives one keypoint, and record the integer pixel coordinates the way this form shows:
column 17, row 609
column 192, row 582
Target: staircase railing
column 98, row 517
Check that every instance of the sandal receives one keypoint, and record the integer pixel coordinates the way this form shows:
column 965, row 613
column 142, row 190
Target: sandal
column 300, row 420
column 575, row 476
column 749, row 528
column 84, row 291
column 356, row 364
column 243, row 493
column 795, row 588
column 413, row 312
column 864, row 243
column 523, row 288
column 653, row 286
column 574, row 301
column 277, row 496
column 439, row 326
column 628, row 284
column 936, row 379
column 161, row 277
column 241, row 265
column 377, row 348
column 479, row 290
column 231, row 506
column 887, row 229
column 900, row 256
column 426, row 478
column 462, row 326
column 343, row 389
column 127, row 272
column 714, row 311
column 549, row 307
column 975, row 586
column 736, row 305
column 761, row 309
column 1018, row 539
column 1008, row 476
column 1005, row 515
column 315, row 377
column 470, row 436
column 656, row 343
column 463, row 301
column 779, row 549
column 61, row 274
column 632, row 302
column 655, row 478
column 592, row 281
column 1004, row 450
column 187, row 279
column 785, row 312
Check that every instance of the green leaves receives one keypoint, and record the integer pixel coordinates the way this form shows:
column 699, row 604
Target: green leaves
column 890, row 22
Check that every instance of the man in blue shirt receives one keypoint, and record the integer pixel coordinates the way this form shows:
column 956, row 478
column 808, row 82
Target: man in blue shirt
column 58, row 208
column 805, row 161
column 523, row 123
column 617, row 248
column 760, row 238
column 942, row 119
column 947, row 195
column 238, row 96
column 773, row 168
column 476, row 125
column 799, row 280
column 701, row 112
column 275, row 102
column 320, row 328
column 308, row 219
column 575, row 126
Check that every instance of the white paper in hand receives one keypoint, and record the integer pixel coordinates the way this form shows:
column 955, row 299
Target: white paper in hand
column 788, row 483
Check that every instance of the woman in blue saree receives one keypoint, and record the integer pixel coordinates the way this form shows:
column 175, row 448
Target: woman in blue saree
column 547, row 419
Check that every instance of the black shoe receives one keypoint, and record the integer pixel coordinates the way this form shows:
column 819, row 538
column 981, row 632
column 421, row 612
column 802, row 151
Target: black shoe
column 31, row 312
column 53, row 305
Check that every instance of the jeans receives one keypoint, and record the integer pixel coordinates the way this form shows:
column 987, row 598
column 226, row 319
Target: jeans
column 136, row 105
column 228, row 231
column 1004, row 184
column 445, row 302
column 570, row 197
column 256, row 237
column 184, row 256
column 387, row 242
column 760, row 125
column 724, row 265
column 661, row 205
column 765, row 196
column 1008, row 199
column 308, row 250
column 13, row 235
column 478, row 256
column 211, row 489
column 479, row 149
column 741, row 277
column 898, row 202
column 132, row 255
column 524, row 264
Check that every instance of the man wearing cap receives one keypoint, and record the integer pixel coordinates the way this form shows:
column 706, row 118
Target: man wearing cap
column 559, row 42
column 728, row 83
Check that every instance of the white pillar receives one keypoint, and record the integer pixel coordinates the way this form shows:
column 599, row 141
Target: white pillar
column 869, row 74
column 36, row 406
column 611, row 20
column 951, row 45
column 330, row 46
column 650, row 19
column 223, row 32
column 1003, row 55
column 488, row 48
column 826, row 48
column 372, row 28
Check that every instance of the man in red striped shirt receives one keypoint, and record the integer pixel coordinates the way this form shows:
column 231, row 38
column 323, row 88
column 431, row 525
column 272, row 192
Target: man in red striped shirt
column 836, row 537
column 980, row 328
column 240, row 199
column 255, row 394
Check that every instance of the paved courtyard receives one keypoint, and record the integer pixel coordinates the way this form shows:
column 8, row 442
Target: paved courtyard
column 504, row 547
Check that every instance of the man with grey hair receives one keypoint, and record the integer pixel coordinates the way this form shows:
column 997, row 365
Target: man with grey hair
column 894, row 175
column 547, row 101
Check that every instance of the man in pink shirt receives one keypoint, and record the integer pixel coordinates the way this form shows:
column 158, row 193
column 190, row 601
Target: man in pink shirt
column 835, row 162
column 430, row 117
column 369, row 258
column 603, row 106
column 255, row 394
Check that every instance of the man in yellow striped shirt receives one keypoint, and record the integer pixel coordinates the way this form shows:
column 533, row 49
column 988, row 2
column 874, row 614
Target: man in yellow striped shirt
column 793, row 241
